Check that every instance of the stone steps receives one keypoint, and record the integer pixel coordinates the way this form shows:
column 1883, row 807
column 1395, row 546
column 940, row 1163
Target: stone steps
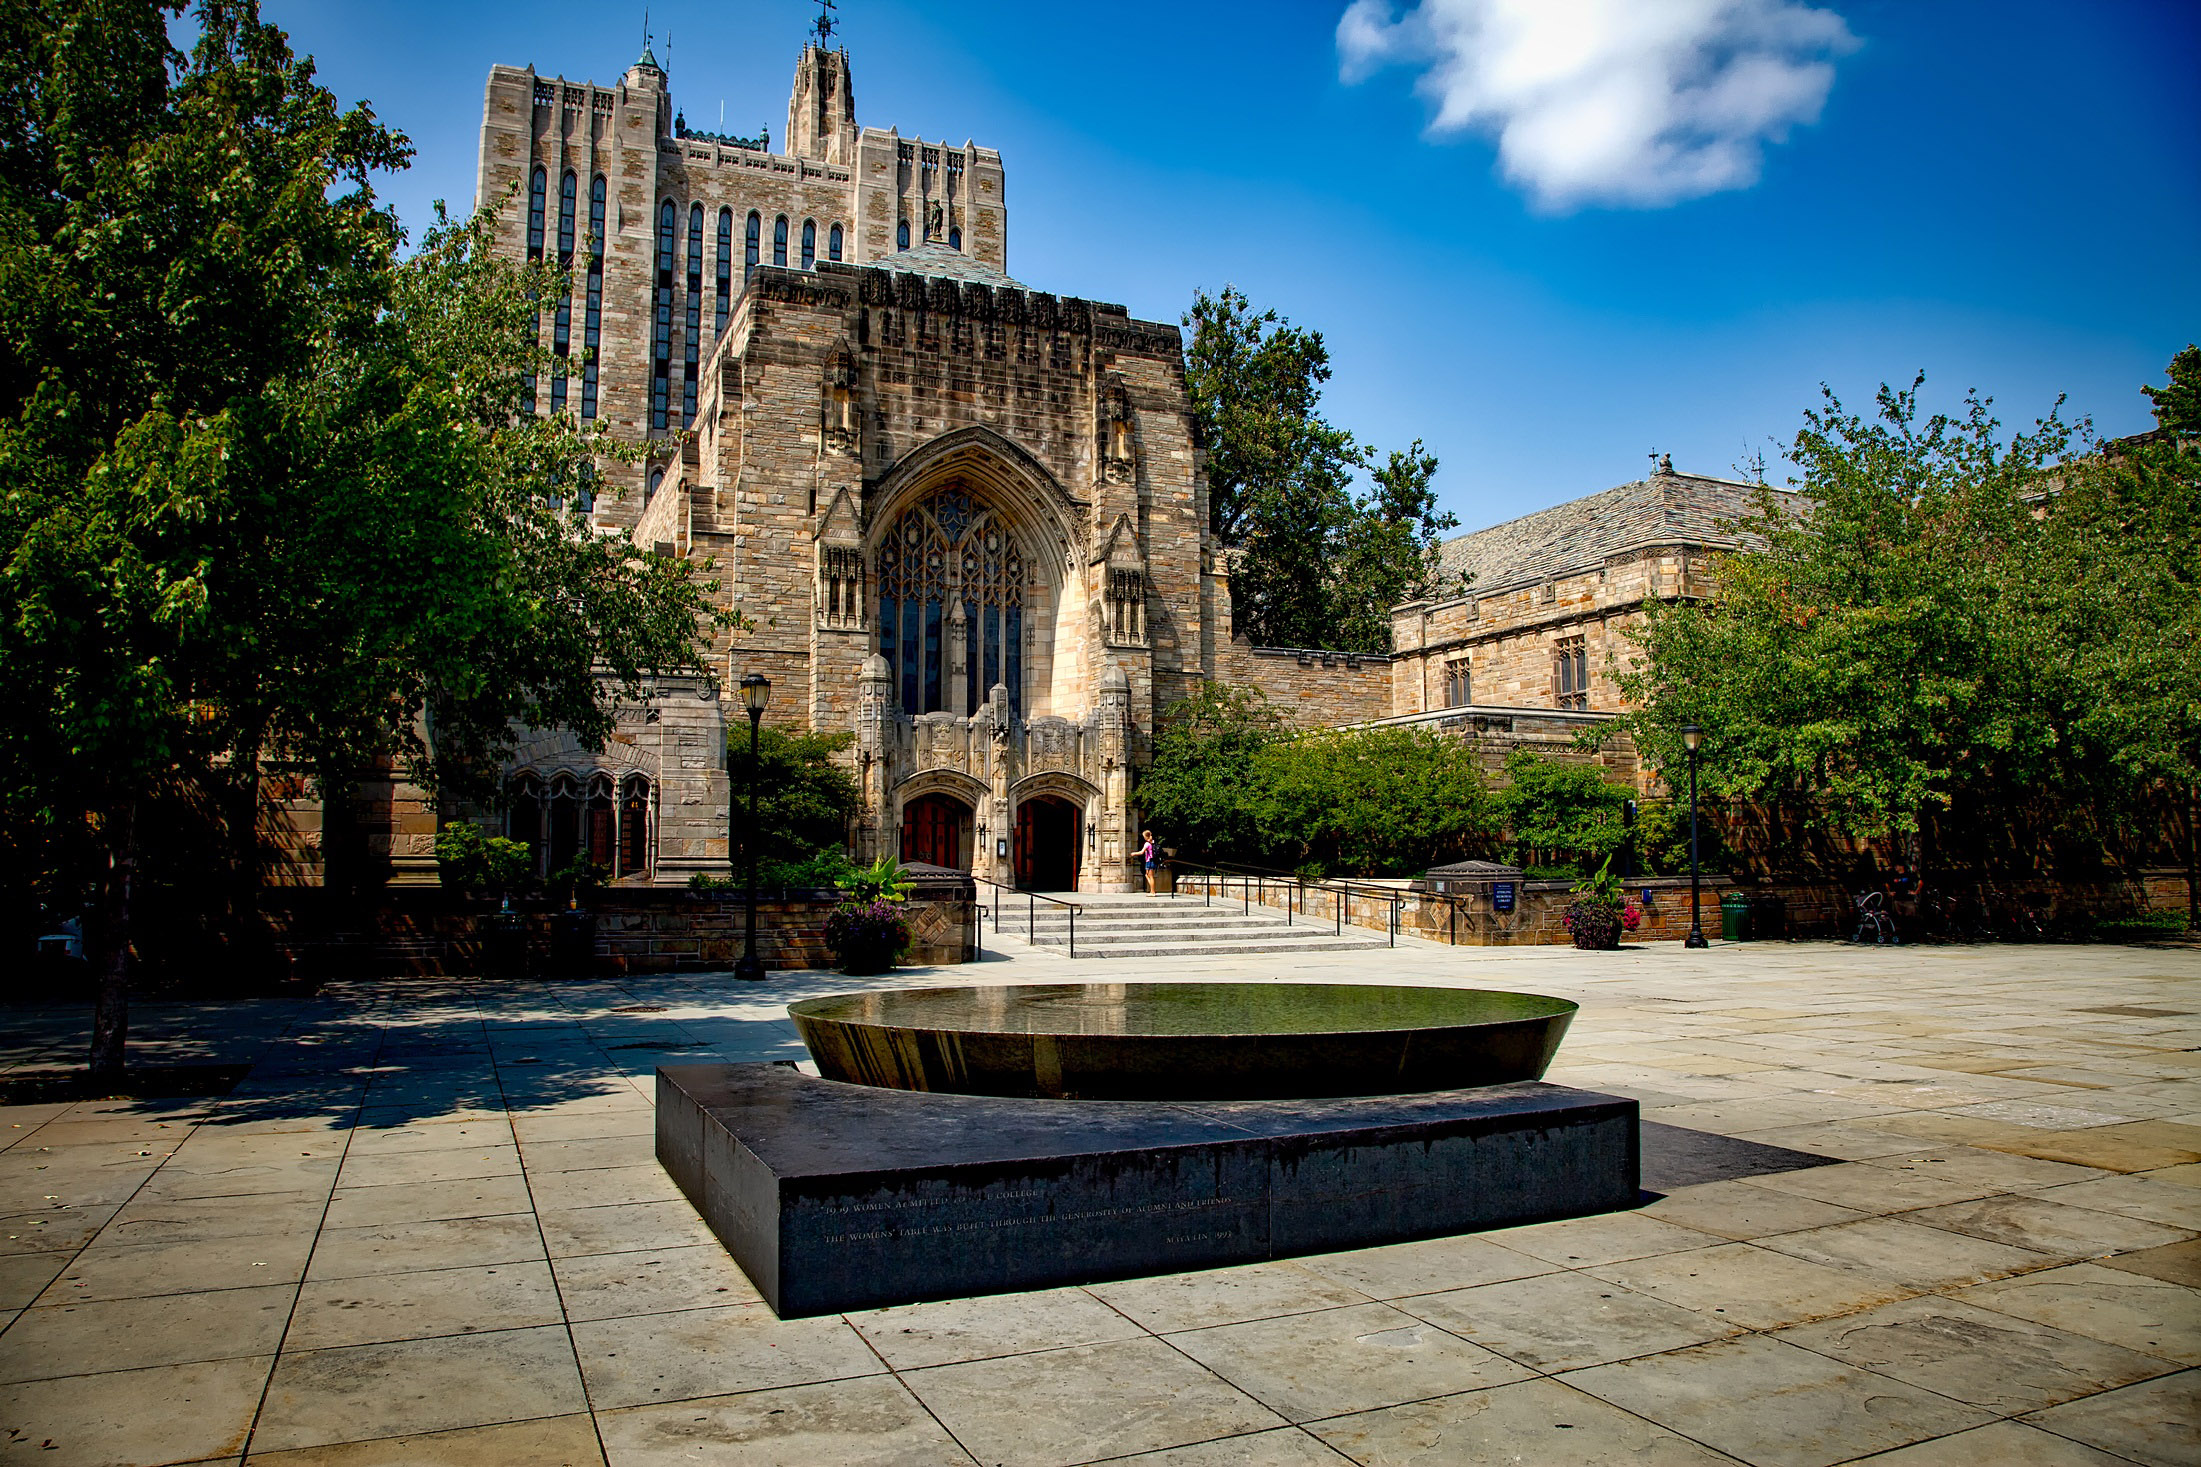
column 1149, row 927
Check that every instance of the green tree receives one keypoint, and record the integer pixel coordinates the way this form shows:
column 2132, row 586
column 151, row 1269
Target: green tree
column 1390, row 552
column 805, row 796
column 1373, row 802
column 269, row 494
column 1560, row 813
column 2177, row 403
column 1201, row 793
column 1978, row 645
column 1312, row 563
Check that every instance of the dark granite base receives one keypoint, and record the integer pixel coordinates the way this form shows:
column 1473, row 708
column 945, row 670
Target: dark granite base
column 835, row 1197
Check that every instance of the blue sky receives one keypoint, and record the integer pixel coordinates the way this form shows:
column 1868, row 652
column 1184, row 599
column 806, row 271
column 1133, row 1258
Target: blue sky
column 2005, row 194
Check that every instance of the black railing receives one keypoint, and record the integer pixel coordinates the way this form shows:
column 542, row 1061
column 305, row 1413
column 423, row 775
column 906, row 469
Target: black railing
column 1033, row 899
column 1254, row 883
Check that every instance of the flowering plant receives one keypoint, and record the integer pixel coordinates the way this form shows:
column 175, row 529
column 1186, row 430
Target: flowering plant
column 867, row 936
column 1598, row 911
column 1631, row 917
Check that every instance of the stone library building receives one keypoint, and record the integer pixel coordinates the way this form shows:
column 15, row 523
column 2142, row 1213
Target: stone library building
column 963, row 518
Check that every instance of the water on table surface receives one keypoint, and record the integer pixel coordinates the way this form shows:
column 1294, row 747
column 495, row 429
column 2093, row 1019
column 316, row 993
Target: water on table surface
column 1181, row 1008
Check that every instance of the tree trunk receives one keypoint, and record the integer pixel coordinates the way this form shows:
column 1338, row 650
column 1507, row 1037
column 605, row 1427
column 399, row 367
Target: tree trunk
column 110, row 935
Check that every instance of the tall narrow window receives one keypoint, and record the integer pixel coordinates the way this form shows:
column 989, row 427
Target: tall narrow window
column 833, row 243
column 538, row 185
column 1570, row 673
column 561, row 344
column 537, row 197
column 661, row 341
column 634, row 825
column 592, row 321
column 810, row 244
column 779, row 240
column 567, row 198
column 657, row 482
column 749, row 251
column 901, row 235
column 1456, row 693
column 955, row 237
column 695, row 313
column 725, row 266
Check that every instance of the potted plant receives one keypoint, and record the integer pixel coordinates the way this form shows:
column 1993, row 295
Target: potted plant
column 867, row 932
column 1597, row 912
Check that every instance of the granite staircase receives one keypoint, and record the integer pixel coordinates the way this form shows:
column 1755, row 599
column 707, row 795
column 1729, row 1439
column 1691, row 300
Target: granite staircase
column 1137, row 926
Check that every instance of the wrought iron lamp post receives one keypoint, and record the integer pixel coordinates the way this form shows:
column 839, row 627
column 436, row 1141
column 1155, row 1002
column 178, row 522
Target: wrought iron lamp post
column 756, row 691
column 1691, row 737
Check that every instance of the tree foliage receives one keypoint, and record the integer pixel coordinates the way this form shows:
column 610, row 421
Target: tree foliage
column 269, row 496
column 805, row 799
column 1989, row 646
column 1312, row 563
column 1560, row 812
column 1230, row 782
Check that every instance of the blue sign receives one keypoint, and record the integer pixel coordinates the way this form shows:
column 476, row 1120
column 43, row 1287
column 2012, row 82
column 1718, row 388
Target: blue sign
column 1501, row 895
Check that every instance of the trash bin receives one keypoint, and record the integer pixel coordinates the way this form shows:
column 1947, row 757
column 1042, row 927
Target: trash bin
column 1769, row 917
column 1735, row 917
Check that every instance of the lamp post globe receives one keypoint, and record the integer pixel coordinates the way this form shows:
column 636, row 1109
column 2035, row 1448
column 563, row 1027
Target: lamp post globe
column 756, row 693
column 1691, row 737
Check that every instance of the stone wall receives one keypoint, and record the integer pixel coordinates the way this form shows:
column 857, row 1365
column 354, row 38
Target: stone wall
column 636, row 930
column 1470, row 920
column 1313, row 689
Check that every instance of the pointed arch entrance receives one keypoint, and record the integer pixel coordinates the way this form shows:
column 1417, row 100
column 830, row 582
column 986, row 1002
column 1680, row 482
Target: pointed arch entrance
column 1048, row 832
column 936, row 828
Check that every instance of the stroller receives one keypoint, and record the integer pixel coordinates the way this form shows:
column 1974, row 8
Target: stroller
column 1874, row 924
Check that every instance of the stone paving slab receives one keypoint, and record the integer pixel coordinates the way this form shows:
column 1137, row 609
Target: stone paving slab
column 428, row 1228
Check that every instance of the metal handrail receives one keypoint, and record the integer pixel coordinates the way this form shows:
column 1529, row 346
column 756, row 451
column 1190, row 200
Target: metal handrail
column 1032, row 916
column 1341, row 890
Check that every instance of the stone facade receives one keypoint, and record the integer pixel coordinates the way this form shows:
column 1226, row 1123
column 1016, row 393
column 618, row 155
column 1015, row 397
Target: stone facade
column 1543, row 622
column 965, row 520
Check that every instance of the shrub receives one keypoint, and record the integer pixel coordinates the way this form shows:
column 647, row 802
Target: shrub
column 478, row 864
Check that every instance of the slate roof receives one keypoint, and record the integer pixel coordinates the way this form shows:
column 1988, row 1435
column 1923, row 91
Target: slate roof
column 1664, row 509
column 938, row 259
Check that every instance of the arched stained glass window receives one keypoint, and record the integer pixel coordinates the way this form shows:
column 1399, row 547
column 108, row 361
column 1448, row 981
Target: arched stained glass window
column 596, row 215
column 833, row 243
column 955, row 239
column 657, row 482
column 749, row 251
column 779, row 240
column 810, row 244
column 537, row 187
column 695, row 313
column 567, row 197
column 725, row 266
column 901, row 235
column 950, row 573
column 661, row 337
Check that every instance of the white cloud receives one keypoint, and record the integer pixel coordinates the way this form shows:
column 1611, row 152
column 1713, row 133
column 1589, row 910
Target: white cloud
column 1630, row 102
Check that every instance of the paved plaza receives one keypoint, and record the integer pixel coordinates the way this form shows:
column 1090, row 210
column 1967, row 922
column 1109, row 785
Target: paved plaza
column 428, row 1228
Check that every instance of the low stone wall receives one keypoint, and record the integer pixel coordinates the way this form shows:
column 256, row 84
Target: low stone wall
column 624, row 930
column 1470, row 920
column 1310, row 687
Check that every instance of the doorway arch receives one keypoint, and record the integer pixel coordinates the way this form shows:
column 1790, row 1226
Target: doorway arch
column 1048, row 829
column 936, row 828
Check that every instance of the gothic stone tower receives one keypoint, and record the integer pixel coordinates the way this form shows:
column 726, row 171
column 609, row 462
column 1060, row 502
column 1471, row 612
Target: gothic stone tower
column 963, row 519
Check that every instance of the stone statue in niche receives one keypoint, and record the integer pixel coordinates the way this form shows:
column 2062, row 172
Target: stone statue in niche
column 932, row 221
column 841, row 422
column 1118, row 455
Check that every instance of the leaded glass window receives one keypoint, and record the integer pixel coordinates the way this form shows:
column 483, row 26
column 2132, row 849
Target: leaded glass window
column 951, row 577
column 725, row 266
column 695, row 314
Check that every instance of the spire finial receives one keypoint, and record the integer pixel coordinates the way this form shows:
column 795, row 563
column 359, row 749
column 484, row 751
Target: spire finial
column 823, row 26
column 649, row 57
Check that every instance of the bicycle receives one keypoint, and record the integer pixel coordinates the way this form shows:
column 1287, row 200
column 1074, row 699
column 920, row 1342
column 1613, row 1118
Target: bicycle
column 1958, row 919
column 1873, row 922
